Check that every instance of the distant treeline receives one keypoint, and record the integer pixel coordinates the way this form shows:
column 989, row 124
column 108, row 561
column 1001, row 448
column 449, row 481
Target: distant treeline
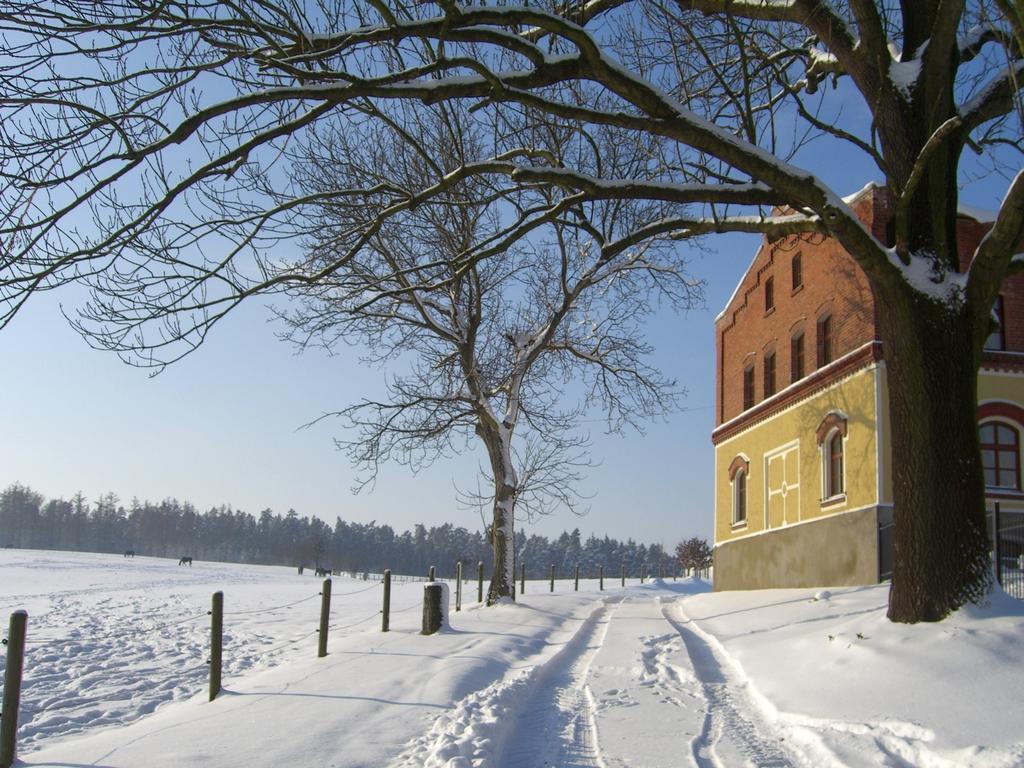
column 173, row 528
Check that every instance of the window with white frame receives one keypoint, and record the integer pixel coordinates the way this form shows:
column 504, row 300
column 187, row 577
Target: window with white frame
column 831, row 435
column 1000, row 454
column 739, row 497
column 834, row 465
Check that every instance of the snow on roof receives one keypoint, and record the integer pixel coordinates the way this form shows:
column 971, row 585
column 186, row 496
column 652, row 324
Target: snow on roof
column 736, row 290
column 871, row 185
column 981, row 215
column 849, row 200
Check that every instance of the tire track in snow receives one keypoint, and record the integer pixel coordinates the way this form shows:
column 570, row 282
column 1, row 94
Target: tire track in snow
column 733, row 732
column 544, row 716
column 555, row 727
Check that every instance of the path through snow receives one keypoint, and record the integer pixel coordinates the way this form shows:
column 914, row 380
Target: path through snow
column 636, row 686
column 733, row 732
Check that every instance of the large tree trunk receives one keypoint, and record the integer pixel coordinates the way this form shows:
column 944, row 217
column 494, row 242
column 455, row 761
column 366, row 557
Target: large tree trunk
column 503, row 579
column 940, row 545
column 499, row 451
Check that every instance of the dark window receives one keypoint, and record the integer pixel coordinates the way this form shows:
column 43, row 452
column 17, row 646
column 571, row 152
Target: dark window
column 748, row 388
column 796, row 357
column 739, row 504
column 834, row 480
column 769, row 294
column 825, row 341
column 1000, row 455
column 769, row 374
column 798, row 272
column 997, row 339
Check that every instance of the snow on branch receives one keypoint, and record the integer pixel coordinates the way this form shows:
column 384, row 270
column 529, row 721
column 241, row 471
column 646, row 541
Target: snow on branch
column 599, row 188
column 995, row 98
column 977, row 37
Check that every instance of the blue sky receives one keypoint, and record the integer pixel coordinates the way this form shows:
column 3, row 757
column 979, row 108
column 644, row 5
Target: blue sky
column 223, row 426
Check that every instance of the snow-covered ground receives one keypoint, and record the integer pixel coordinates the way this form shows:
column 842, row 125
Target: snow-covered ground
column 664, row 674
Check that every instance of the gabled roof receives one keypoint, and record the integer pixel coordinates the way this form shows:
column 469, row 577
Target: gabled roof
column 981, row 215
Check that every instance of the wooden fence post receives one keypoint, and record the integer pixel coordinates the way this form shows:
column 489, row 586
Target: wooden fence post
column 325, row 616
column 552, row 578
column 577, row 587
column 522, row 578
column 622, row 573
column 216, row 642
column 643, row 569
column 431, row 574
column 433, row 608
column 15, row 665
column 600, row 572
column 480, row 581
column 385, row 622
column 458, row 586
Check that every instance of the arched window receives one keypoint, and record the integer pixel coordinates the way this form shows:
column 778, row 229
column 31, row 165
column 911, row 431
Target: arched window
column 769, row 373
column 796, row 357
column 831, row 435
column 834, row 465
column 738, row 471
column 748, row 387
column 824, row 340
column 1000, row 454
column 739, row 497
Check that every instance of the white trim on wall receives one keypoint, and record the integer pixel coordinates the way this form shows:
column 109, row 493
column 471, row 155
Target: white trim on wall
column 783, row 451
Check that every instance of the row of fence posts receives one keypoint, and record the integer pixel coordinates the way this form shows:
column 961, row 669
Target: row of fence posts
column 15, row 640
column 600, row 576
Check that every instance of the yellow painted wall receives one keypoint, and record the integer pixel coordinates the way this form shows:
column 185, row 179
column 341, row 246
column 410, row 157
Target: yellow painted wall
column 882, row 400
column 1001, row 386
column 803, row 555
column 784, row 449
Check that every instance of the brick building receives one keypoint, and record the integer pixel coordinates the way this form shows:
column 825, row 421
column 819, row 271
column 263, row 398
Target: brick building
column 803, row 489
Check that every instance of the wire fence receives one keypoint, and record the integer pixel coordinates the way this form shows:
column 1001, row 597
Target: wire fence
column 1009, row 550
column 100, row 626
column 1006, row 544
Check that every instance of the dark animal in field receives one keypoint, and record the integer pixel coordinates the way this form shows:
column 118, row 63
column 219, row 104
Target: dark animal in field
column 323, row 571
column 185, row 561
column 129, row 553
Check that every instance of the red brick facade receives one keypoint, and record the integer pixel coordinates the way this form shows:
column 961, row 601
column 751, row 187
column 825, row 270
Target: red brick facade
column 833, row 285
column 969, row 233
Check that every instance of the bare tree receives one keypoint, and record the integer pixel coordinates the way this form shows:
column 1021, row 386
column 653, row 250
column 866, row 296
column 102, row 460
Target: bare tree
column 694, row 553
column 510, row 349
column 157, row 117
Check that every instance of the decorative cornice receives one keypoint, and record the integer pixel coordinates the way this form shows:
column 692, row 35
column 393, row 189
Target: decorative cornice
column 849, row 363
column 1007, row 361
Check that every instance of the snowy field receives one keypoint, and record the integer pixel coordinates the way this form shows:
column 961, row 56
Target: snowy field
column 664, row 674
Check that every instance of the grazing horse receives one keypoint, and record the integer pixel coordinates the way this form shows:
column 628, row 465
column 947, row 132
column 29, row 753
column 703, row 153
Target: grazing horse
column 129, row 553
column 323, row 571
column 185, row 561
